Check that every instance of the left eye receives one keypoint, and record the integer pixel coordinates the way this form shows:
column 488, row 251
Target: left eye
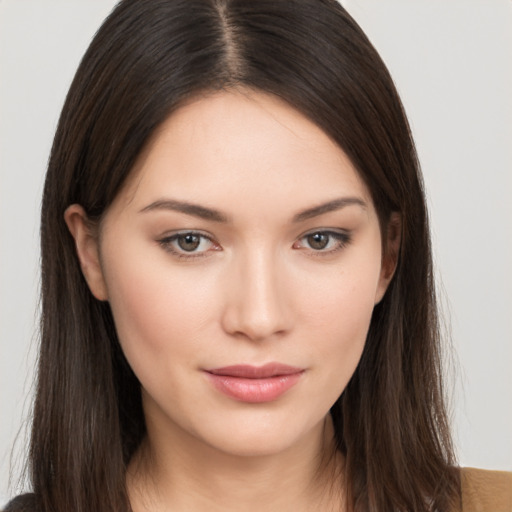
column 323, row 241
column 187, row 243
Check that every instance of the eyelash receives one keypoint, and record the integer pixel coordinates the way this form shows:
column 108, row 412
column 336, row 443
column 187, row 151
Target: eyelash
column 343, row 238
column 167, row 243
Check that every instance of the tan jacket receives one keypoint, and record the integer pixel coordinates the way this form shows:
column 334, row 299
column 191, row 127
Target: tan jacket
column 486, row 491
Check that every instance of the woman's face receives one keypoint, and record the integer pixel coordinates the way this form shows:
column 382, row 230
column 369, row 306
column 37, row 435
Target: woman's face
column 242, row 262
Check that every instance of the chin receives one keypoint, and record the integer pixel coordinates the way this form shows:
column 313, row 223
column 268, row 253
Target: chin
column 262, row 436
column 253, row 446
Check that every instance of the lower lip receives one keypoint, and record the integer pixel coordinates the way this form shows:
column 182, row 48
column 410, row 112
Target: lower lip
column 254, row 390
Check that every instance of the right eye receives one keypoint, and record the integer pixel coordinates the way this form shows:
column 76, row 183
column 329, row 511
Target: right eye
column 189, row 244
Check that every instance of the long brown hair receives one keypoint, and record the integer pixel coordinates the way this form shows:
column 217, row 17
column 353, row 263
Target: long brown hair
column 147, row 59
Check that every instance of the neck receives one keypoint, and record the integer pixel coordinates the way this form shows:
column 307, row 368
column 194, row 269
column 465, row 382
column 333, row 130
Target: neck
column 193, row 476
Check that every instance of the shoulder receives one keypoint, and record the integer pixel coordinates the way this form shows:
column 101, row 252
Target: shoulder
column 23, row 503
column 486, row 491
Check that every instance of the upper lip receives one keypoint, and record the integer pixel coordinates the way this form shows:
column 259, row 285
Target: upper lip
column 246, row 371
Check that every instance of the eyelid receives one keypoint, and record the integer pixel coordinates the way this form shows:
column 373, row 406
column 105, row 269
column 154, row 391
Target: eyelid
column 343, row 237
column 166, row 242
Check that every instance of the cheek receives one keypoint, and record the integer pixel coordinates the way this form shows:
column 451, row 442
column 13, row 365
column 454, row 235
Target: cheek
column 160, row 314
column 343, row 298
column 344, row 323
column 339, row 318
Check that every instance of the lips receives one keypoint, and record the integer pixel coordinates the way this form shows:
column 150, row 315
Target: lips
column 255, row 384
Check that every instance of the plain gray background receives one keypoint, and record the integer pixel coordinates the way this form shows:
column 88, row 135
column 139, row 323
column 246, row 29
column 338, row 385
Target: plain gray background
column 451, row 61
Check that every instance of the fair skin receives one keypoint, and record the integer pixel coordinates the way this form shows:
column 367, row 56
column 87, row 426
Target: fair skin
column 255, row 274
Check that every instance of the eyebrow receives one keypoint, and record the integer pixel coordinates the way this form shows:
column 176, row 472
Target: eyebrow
column 211, row 214
column 330, row 206
column 188, row 208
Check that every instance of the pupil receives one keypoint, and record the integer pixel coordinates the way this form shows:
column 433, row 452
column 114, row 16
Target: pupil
column 318, row 241
column 188, row 242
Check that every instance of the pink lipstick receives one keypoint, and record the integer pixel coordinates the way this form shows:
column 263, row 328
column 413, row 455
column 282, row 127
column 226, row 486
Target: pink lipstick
column 255, row 384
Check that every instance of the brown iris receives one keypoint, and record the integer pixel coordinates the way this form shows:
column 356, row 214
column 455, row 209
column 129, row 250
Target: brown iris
column 318, row 241
column 189, row 242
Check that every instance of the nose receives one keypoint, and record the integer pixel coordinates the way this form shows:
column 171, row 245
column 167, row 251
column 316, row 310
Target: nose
column 257, row 302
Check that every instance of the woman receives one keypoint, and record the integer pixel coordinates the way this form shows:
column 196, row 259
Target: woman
column 238, row 307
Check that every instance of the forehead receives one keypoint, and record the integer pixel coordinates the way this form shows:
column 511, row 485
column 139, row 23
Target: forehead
column 243, row 145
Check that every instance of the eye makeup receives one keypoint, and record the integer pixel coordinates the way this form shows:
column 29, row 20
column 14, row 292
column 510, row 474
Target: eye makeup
column 322, row 242
column 192, row 244
column 189, row 244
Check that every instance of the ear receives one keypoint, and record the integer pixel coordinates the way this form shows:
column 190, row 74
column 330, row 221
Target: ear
column 392, row 238
column 86, row 243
